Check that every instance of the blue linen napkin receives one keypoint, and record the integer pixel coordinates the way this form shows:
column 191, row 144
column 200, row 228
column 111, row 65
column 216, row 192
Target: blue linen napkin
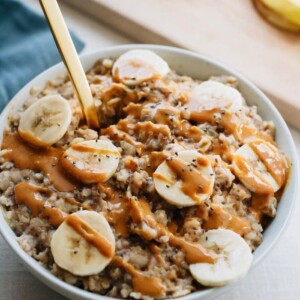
column 26, row 47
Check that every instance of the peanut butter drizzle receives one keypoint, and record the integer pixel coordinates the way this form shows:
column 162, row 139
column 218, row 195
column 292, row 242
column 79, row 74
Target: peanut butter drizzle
column 193, row 182
column 144, row 130
column 53, row 214
column 118, row 135
column 194, row 253
column 156, row 158
column 117, row 213
column 134, row 109
column 146, row 285
column 153, row 130
column 91, row 235
column 26, row 193
column 171, row 116
column 157, row 254
column 219, row 218
column 119, row 90
column 274, row 162
column 77, row 203
column 189, row 131
column 202, row 211
column 81, row 170
column 247, row 174
column 166, row 114
column 85, row 148
column 222, row 149
column 162, row 177
column 131, row 164
column 258, row 203
column 154, row 249
column 27, row 136
column 40, row 160
column 230, row 123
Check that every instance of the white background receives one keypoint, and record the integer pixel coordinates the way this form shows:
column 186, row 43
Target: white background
column 276, row 278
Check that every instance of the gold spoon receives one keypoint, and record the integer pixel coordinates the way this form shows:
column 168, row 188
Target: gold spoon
column 71, row 60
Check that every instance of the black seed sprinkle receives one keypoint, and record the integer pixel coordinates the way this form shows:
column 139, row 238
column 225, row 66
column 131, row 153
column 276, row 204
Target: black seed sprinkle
column 167, row 186
column 99, row 159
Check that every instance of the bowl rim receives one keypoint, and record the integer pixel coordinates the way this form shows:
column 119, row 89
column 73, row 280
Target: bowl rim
column 69, row 290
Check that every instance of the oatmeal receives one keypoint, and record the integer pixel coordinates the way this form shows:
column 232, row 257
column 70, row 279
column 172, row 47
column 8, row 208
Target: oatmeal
column 181, row 176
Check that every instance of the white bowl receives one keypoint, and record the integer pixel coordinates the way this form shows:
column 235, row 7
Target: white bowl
column 196, row 66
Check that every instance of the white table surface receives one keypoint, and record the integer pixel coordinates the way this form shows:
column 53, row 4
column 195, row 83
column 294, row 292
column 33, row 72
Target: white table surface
column 276, row 278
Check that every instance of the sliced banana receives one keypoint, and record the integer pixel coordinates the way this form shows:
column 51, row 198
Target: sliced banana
column 233, row 258
column 212, row 94
column 91, row 161
column 260, row 167
column 85, row 249
column 185, row 179
column 136, row 66
column 46, row 121
column 288, row 10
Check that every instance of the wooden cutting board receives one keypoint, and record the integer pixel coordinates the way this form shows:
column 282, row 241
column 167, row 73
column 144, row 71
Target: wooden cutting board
column 230, row 31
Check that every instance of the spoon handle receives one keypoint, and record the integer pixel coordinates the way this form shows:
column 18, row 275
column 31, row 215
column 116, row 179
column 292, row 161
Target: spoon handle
column 71, row 60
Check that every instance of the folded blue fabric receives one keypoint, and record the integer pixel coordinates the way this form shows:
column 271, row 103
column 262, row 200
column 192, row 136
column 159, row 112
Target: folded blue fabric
column 26, row 47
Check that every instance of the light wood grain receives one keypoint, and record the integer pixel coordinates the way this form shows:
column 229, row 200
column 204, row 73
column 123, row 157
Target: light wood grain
column 230, row 31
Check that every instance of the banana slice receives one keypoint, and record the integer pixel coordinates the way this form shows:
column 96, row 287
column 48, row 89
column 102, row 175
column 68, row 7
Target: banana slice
column 233, row 255
column 91, row 161
column 212, row 94
column 260, row 167
column 136, row 66
column 284, row 14
column 46, row 121
column 83, row 244
column 185, row 179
